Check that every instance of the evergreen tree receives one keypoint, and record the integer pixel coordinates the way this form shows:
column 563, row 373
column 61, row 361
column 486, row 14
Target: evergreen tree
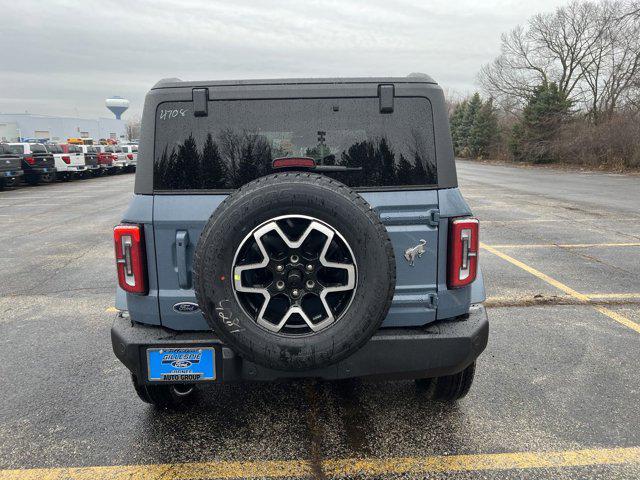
column 466, row 125
column 542, row 117
column 360, row 154
column 187, row 165
column 484, row 131
column 255, row 157
column 455, row 123
column 404, row 172
column 420, row 175
column 214, row 171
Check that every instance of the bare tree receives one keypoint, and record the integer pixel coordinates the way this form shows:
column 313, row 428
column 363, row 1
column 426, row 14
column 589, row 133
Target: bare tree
column 553, row 47
column 612, row 68
column 132, row 128
column 591, row 50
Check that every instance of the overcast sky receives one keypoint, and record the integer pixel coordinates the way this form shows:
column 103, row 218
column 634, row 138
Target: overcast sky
column 66, row 57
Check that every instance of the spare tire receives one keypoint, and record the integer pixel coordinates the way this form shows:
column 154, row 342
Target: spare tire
column 294, row 271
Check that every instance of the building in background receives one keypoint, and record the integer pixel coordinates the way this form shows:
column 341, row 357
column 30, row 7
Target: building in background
column 17, row 126
column 8, row 131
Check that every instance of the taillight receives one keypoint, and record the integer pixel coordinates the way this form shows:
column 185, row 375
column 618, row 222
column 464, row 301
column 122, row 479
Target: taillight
column 463, row 252
column 130, row 156
column 30, row 160
column 130, row 258
column 114, row 157
column 66, row 159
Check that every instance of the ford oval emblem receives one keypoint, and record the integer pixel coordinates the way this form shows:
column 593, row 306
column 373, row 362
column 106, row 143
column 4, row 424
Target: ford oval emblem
column 186, row 307
column 181, row 364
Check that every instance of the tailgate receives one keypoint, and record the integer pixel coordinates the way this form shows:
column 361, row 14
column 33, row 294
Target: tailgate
column 42, row 160
column 408, row 216
column 9, row 163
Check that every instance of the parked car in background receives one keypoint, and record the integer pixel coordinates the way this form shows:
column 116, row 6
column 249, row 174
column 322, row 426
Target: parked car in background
column 10, row 169
column 105, row 159
column 37, row 163
column 120, row 159
column 90, row 157
column 61, row 161
column 132, row 154
column 80, row 141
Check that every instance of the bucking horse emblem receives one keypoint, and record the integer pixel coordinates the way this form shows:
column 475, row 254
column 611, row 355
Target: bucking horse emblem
column 411, row 253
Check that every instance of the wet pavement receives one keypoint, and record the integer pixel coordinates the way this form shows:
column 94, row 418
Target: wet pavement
column 558, row 375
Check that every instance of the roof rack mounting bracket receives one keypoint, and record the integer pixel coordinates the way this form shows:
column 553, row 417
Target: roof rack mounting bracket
column 200, row 97
column 386, row 92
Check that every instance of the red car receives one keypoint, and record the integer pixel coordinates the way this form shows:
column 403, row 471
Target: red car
column 105, row 159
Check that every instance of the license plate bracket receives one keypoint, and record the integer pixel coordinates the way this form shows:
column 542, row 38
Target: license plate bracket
column 181, row 364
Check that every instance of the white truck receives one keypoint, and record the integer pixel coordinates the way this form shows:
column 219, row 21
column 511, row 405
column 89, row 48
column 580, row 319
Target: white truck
column 68, row 165
column 132, row 155
column 120, row 159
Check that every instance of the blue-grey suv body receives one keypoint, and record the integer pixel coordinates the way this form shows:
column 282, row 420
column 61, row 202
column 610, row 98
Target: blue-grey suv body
column 297, row 228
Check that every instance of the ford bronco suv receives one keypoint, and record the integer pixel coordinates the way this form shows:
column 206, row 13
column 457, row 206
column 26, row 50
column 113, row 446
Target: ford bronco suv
column 297, row 228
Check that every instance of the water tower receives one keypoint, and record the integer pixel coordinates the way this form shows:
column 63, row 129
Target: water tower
column 117, row 105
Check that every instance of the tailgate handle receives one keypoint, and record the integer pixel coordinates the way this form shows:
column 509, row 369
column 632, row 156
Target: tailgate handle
column 182, row 242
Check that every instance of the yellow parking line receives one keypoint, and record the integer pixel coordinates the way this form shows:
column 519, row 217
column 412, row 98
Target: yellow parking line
column 566, row 289
column 613, row 296
column 112, row 310
column 565, row 245
column 339, row 467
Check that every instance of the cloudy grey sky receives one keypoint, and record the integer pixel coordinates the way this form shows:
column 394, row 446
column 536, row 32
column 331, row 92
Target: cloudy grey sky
column 66, row 57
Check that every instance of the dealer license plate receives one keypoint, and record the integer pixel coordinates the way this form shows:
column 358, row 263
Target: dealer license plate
column 181, row 364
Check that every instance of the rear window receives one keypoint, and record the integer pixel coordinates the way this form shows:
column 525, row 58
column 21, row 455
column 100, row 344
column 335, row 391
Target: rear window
column 16, row 148
column 108, row 149
column 37, row 148
column 238, row 141
column 52, row 149
column 5, row 149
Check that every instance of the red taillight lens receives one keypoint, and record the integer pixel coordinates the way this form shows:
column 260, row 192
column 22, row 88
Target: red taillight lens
column 66, row 159
column 30, row 160
column 130, row 156
column 130, row 258
column 293, row 162
column 463, row 252
column 114, row 157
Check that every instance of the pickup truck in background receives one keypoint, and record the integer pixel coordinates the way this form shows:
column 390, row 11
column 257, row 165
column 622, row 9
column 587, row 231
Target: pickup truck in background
column 10, row 169
column 82, row 153
column 120, row 159
column 132, row 155
column 105, row 159
column 38, row 165
column 68, row 165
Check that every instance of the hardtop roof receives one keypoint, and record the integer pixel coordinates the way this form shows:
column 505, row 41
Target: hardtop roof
column 176, row 82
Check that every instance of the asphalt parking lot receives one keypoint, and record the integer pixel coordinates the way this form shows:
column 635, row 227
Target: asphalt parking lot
column 556, row 392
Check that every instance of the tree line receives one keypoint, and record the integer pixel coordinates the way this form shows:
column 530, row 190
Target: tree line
column 565, row 87
column 233, row 158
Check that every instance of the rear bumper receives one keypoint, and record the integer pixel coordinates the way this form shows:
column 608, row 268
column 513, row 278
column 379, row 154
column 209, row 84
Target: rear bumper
column 11, row 174
column 442, row 348
column 40, row 170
